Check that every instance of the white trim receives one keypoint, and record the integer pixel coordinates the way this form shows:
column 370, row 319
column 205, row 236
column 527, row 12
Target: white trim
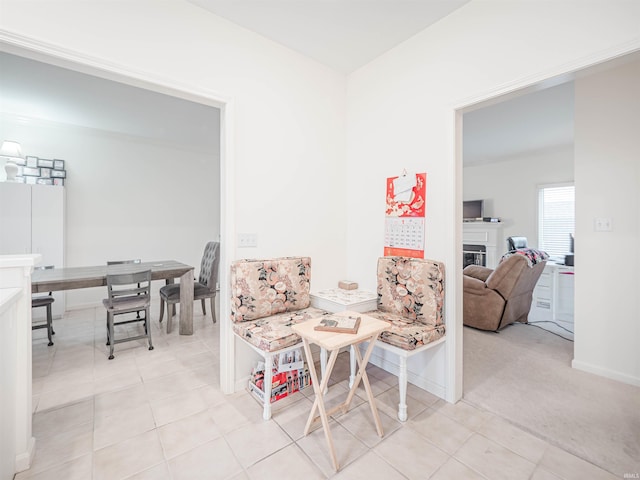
column 228, row 238
column 545, row 78
column 24, row 460
column 53, row 54
column 605, row 372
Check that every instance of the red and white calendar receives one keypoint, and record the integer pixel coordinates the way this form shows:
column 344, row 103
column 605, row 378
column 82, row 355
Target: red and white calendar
column 405, row 215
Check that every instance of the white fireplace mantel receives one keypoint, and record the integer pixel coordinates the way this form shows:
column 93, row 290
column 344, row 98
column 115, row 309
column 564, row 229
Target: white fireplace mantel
column 487, row 234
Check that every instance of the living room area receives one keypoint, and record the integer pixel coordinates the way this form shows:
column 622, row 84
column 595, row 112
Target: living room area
column 536, row 375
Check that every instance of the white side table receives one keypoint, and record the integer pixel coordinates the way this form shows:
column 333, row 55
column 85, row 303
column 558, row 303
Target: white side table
column 338, row 300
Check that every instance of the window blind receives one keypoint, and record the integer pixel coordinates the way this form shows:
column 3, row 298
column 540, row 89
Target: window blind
column 556, row 218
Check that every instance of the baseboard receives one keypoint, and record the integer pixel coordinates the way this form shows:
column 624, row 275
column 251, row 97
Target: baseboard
column 604, row 372
column 390, row 366
column 25, row 459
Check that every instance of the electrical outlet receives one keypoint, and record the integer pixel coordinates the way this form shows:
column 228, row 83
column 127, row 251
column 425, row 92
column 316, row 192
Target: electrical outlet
column 247, row 240
column 602, row 225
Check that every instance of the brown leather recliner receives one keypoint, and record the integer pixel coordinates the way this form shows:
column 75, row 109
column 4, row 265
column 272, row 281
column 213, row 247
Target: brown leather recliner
column 496, row 298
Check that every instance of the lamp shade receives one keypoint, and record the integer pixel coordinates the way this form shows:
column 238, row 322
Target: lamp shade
column 10, row 149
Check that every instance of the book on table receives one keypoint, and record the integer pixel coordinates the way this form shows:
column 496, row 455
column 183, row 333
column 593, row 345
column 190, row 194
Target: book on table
column 339, row 323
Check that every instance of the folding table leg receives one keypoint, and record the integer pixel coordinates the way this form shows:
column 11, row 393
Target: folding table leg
column 362, row 375
column 318, row 403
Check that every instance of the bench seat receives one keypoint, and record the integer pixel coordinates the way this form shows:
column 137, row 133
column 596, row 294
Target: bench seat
column 406, row 334
column 267, row 297
column 274, row 333
column 411, row 300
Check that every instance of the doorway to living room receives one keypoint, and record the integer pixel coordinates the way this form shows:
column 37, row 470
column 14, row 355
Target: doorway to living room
column 527, row 375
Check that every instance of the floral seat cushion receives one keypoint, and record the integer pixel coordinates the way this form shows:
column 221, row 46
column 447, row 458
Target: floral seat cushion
column 274, row 332
column 405, row 334
column 411, row 299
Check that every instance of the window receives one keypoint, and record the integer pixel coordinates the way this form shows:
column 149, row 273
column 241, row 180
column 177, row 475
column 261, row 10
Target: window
column 556, row 218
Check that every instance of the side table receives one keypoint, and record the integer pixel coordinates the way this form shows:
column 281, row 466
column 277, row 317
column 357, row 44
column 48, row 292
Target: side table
column 370, row 329
column 337, row 300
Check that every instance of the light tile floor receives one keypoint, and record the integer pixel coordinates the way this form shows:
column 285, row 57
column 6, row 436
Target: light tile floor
column 161, row 415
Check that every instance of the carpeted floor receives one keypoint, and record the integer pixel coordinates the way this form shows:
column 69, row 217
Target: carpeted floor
column 524, row 374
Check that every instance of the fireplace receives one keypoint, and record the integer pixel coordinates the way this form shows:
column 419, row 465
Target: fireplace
column 482, row 243
column 474, row 255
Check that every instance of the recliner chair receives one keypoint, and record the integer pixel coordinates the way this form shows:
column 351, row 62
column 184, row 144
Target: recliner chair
column 496, row 298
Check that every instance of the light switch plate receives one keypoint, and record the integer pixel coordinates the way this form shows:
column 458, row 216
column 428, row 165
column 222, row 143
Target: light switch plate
column 603, row 225
column 246, row 240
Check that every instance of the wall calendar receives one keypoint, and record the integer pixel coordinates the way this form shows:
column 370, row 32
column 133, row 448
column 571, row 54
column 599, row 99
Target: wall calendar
column 405, row 215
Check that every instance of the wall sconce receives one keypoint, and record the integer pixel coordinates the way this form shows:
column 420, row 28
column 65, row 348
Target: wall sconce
column 10, row 151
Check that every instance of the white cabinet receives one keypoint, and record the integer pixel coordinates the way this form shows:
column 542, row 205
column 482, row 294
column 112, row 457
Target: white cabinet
column 553, row 296
column 15, row 218
column 32, row 220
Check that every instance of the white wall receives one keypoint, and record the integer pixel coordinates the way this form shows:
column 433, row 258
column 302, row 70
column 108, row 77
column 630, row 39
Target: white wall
column 401, row 115
column 289, row 127
column 607, row 150
column 126, row 196
column 288, row 115
column 510, row 188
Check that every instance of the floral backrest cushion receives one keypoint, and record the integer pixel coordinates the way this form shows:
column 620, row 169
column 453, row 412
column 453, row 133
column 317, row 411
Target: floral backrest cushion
column 412, row 288
column 261, row 288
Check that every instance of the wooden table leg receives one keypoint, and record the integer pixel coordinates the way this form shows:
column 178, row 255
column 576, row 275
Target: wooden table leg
column 362, row 375
column 186, row 303
column 318, row 403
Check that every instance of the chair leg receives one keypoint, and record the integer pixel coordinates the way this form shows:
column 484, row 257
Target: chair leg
column 170, row 309
column 110, row 334
column 146, row 327
column 204, row 308
column 49, row 324
column 162, row 310
column 213, row 308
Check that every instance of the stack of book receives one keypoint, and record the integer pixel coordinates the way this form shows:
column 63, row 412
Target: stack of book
column 289, row 375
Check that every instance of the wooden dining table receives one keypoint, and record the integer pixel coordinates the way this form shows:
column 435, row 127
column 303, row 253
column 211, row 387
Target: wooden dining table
column 71, row 278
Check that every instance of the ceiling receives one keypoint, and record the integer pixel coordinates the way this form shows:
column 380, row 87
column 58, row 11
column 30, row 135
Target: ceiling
column 530, row 123
column 343, row 34
column 33, row 91
column 359, row 31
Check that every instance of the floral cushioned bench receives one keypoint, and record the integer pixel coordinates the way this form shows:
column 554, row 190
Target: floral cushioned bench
column 411, row 299
column 267, row 297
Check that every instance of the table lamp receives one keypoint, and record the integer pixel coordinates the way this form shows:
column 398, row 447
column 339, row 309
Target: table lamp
column 10, row 151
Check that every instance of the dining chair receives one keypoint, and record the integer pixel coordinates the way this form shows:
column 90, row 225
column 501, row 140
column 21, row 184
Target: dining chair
column 124, row 262
column 127, row 293
column 44, row 301
column 205, row 287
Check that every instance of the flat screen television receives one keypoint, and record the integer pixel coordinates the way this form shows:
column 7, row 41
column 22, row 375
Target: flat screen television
column 472, row 210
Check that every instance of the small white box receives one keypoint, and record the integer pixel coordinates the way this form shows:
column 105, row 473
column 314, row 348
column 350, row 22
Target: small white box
column 348, row 285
